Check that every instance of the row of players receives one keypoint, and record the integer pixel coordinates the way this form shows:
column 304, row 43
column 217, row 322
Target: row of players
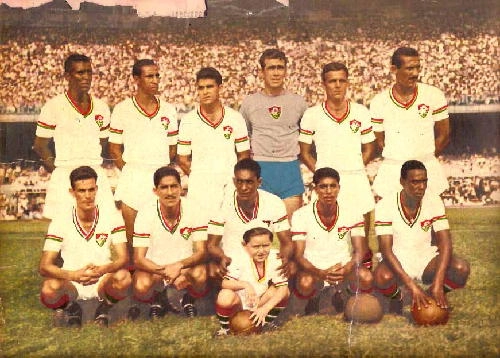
column 274, row 127
column 174, row 247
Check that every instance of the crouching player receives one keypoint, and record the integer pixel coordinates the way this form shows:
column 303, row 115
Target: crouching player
column 169, row 248
column 254, row 282
column 84, row 236
column 405, row 223
column 328, row 247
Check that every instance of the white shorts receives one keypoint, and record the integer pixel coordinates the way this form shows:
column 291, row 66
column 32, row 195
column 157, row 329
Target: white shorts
column 324, row 263
column 207, row 191
column 389, row 173
column 414, row 263
column 356, row 192
column 135, row 186
column 59, row 199
column 88, row 292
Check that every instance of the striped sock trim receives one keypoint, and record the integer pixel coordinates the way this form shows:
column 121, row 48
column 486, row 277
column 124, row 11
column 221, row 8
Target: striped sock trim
column 111, row 299
column 60, row 303
column 198, row 294
column 304, row 297
column 391, row 291
column 450, row 285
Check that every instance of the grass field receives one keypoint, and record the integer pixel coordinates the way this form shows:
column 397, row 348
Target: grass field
column 473, row 329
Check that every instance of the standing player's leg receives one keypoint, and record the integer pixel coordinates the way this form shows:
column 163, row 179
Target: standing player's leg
column 129, row 214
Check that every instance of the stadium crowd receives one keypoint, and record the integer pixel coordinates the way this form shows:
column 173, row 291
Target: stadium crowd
column 459, row 55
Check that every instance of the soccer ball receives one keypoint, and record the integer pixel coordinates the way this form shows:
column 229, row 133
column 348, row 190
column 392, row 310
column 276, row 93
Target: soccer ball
column 363, row 308
column 430, row 316
column 241, row 324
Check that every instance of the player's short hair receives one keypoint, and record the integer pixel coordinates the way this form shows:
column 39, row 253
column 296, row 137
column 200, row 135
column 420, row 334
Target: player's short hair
column 139, row 64
column 81, row 173
column 163, row 172
column 257, row 231
column 400, row 52
column 325, row 173
column 272, row 54
column 71, row 59
column 248, row 164
column 411, row 165
column 209, row 73
column 333, row 66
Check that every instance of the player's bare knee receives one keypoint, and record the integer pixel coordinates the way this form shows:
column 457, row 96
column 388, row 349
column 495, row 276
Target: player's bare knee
column 226, row 298
column 382, row 276
column 122, row 279
column 51, row 286
column 462, row 268
column 198, row 274
column 306, row 283
column 365, row 277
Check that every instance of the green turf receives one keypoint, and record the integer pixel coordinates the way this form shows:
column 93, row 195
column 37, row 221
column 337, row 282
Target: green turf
column 472, row 331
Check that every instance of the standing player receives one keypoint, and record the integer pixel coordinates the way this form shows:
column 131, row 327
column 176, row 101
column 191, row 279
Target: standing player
column 342, row 133
column 404, row 222
column 146, row 127
column 410, row 121
column 169, row 246
column 329, row 243
column 84, row 237
column 273, row 117
column 216, row 137
column 253, row 282
column 241, row 210
column 79, row 124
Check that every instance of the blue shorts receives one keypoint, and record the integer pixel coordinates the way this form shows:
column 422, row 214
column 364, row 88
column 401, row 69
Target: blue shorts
column 282, row 179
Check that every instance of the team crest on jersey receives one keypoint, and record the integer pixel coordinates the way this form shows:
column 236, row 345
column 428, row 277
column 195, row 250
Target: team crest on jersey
column 186, row 232
column 423, row 110
column 165, row 122
column 426, row 225
column 342, row 231
column 275, row 111
column 101, row 239
column 355, row 125
column 228, row 130
column 99, row 120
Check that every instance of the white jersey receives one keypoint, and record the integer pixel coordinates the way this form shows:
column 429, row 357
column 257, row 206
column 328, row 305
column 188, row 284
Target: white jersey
column 326, row 245
column 168, row 243
column 76, row 134
column 338, row 140
column 408, row 127
column 231, row 223
column 146, row 137
column 79, row 247
column 411, row 239
column 213, row 146
column 243, row 268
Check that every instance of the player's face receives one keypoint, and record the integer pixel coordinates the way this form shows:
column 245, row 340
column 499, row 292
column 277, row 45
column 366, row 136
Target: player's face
column 407, row 74
column 274, row 73
column 415, row 183
column 327, row 190
column 258, row 247
column 79, row 77
column 168, row 191
column 149, row 80
column 246, row 183
column 208, row 91
column 84, row 193
column 336, row 85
